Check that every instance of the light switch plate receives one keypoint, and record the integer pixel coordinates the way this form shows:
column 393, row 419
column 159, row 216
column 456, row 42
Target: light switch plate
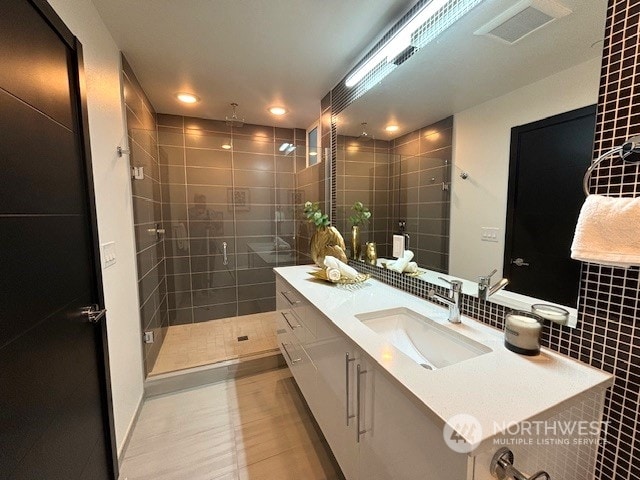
column 489, row 234
column 108, row 254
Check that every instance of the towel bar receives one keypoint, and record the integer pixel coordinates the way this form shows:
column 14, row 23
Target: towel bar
column 629, row 147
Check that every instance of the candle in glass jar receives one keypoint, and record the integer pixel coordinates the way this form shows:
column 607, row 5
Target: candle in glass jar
column 523, row 332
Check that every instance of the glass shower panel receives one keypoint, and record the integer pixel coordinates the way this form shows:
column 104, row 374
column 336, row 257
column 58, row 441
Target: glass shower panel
column 230, row 201
column 254, row 193
column 211, row 240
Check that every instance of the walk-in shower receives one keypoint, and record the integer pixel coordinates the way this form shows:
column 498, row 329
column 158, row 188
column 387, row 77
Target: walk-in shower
column 229, row 217
column 215, row 206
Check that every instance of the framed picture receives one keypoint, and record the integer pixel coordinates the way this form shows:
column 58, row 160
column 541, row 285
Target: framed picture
column 239, row 198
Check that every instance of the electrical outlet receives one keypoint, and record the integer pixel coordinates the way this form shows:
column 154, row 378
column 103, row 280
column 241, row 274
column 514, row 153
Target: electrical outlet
column 489, row 234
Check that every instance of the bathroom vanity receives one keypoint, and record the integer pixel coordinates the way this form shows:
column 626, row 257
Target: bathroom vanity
column 384, row 371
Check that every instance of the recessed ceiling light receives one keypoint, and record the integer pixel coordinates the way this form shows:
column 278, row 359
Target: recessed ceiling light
column 313, row 154
column 283, row 147
column 277, row 110
column 187, row 97
column 227, row 145
column 392, row 128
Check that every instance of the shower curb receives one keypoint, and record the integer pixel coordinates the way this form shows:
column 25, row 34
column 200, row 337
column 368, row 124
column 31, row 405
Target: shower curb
column 208, row 374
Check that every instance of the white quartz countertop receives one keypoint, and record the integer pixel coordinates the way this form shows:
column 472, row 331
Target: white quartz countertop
column 498, row 388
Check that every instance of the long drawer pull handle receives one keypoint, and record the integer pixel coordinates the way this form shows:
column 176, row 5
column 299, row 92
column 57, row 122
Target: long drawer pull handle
column 347, row 361
column 293, row 361
column 359, row 432
column 291, row 302
column 288, row 322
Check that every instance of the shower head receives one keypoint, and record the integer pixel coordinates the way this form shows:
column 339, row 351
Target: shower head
column 364, row 136
column 234, row 121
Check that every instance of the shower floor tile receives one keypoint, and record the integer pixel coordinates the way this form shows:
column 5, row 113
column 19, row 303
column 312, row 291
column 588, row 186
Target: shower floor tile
column 205, row 343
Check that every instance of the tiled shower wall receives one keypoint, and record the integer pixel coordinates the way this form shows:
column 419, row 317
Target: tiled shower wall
column 408, row 179
column 311, row 184
column 363, row 175
column 241, row 200
column 420, row 181
column 147, row 213
column 608, row 332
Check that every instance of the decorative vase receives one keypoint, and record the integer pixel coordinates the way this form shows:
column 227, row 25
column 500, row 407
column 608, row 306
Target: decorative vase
column 356, row 245
column 327, row 241
column 371, row 253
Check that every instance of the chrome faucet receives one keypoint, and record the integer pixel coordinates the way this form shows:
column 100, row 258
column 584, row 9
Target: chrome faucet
column 453, row 300
column 485, row 290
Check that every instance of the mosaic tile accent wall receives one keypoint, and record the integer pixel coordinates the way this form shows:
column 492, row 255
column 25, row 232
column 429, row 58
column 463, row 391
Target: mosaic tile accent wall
column 608, row 332
column 147, row 213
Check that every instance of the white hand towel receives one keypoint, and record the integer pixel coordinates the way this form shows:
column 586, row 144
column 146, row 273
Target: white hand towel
column 333, row 274
column 412, row 267
column 608, row 231
column 345, row 270
column 400, row 265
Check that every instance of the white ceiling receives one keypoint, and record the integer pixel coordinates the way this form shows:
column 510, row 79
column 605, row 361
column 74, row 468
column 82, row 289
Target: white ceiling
column 254, row 52
column 461, row 70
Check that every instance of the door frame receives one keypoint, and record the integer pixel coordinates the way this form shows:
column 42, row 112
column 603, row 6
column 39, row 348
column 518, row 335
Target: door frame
column 79, row 97
column 514, row 153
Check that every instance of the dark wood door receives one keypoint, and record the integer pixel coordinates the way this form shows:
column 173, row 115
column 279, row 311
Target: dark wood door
column 55, row 416
column 548, row 159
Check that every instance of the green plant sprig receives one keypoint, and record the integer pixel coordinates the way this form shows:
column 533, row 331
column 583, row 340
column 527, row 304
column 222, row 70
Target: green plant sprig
column 361, row 214
column 314, row 214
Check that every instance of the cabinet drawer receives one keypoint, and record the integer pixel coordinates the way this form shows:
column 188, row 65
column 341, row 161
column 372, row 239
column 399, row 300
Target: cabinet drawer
column 290, row 322
column 304, row 372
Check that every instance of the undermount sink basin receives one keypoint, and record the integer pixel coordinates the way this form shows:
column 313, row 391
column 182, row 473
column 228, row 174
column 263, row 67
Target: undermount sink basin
column 424, row 341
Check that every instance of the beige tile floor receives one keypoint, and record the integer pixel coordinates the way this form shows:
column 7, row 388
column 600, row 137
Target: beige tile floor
column 251, row 428
column 205, row 343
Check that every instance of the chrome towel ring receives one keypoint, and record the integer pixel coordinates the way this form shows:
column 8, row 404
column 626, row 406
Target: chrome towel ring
column 628, row 148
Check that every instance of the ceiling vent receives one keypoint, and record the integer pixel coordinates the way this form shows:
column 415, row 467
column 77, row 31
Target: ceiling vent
column 524, row 18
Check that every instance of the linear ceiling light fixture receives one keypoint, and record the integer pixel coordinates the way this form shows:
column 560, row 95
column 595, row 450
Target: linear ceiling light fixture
column 411, row 35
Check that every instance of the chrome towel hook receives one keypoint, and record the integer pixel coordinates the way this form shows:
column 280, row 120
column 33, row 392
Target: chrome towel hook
column 502, row 468
column 123, row 151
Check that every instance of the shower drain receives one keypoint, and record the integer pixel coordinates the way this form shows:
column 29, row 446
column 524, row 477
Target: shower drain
column 243, row 338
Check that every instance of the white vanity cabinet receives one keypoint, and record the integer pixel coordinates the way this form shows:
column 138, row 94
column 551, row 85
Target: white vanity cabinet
column 293, row 335
column 384, row 421
column 400, row 441
column 396, row 439
column 374, row 430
